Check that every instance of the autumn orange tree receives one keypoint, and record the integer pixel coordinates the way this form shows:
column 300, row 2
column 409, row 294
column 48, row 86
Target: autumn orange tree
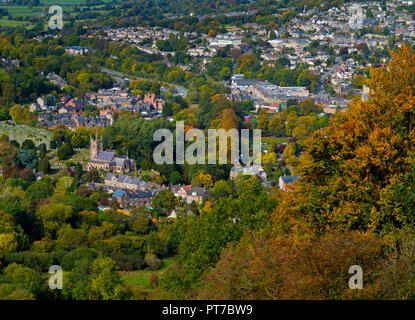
column 352, row 169
column 279, row 268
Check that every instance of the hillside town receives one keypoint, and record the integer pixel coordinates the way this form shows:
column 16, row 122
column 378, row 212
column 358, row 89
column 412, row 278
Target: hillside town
column 330, row 44
column 180, row 149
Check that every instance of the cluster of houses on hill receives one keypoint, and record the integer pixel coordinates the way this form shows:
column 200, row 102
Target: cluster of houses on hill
column 315, row 39
column 272, row 98
column 9, row 63
column 70, row 111
column 310, row 39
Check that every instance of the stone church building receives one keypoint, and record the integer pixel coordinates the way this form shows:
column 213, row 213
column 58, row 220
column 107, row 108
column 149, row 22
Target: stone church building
column 107, row 160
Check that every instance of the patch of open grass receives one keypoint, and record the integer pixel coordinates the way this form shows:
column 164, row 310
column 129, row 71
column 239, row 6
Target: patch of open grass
column 12, row 23
column 65, row 2
column 26, row 11
column 141, row 278
column 80, row 155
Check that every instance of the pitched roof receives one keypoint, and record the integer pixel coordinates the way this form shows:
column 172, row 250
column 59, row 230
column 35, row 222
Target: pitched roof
column 187, row 188
column 119, row 161
column 124, row 179
column 140, row 194
column 198, row 191
column 289, row 179
column 104, row 156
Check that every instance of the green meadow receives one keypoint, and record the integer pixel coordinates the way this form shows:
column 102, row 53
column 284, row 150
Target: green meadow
column 141, row 278
column 11, row 23
column 25, row 11
column 62, row 2
column 16, row 11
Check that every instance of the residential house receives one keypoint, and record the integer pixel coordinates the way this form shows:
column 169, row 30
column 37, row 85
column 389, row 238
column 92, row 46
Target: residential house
column 285, row 182
column 189, row 194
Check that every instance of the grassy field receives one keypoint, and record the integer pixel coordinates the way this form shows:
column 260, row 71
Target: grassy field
column 65, row 2
column 141, row 278
column 20, row 133
column 36, row 11
column 268, row 141
column 11, row 23
column 26, row 11
column 62, row 2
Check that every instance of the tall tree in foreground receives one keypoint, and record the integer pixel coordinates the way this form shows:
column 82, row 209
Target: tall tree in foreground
column 352, row 168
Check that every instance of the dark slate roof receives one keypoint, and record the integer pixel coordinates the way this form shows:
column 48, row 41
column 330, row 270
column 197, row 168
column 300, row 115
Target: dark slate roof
column 289, row 179
column 119, row 161
column 198, row 191
column 104, row 156
column 124, row 179
column 140, row 194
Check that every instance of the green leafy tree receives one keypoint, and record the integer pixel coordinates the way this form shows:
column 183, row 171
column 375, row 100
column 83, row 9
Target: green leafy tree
column 27, row 158
column 65, row 151
column 105, row 282
column 165, row 200
column 44, row 164
column 24, row 277
column 40, row 189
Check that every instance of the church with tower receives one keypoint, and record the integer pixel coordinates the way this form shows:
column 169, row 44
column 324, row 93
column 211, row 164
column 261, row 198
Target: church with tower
column 107, row 160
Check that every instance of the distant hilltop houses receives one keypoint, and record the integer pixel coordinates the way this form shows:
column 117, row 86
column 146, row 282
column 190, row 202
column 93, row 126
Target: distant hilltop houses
column 69, row 111
column 77, row 50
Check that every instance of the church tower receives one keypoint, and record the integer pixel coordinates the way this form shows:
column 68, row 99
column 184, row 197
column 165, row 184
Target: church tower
column 96, row 147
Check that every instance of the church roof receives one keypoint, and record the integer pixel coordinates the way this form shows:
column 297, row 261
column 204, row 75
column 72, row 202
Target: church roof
column 119, row 161
column 104, row 156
